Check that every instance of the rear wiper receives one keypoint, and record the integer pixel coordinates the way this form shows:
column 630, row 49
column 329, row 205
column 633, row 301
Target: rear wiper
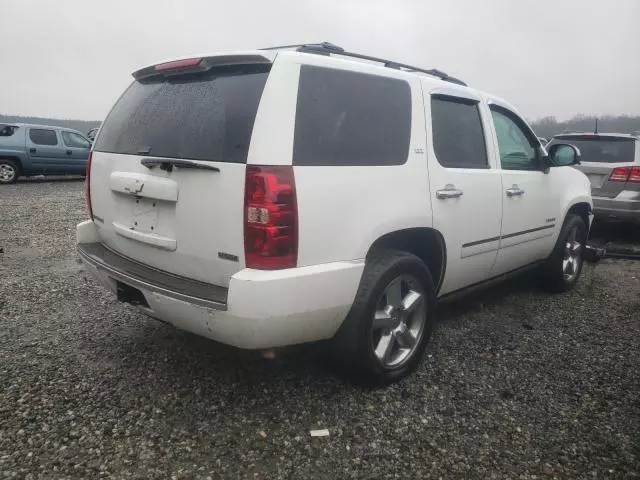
column 167, row 164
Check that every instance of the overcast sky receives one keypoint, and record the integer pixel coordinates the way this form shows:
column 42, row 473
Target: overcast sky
column 72, row 58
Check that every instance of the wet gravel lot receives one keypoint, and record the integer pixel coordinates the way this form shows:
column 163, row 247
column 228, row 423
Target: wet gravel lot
column 516, row 384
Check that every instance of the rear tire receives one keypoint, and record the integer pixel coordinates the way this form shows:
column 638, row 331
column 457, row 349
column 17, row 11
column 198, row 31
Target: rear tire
column 9, row 171
column 562, row 269
column 385, row 334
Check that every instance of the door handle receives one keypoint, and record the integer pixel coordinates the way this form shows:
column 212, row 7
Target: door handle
column 449, row 191
column 69, row 152
column 32, row 150
column 514, row 191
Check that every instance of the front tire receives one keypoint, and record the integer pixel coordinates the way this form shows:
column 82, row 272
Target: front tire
column 561, row 271
column 385, row 334
column 9, row 171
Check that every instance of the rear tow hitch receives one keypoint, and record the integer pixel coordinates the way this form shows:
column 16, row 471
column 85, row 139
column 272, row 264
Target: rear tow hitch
column 593, row 254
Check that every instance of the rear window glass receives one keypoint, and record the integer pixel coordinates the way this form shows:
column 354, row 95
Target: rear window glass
column 202, row 117
column 350, row 118
column 601, row 149
column 458, row 138
column 43, row 137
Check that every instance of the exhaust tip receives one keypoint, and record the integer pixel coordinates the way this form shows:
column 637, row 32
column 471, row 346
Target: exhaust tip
column 268, row 354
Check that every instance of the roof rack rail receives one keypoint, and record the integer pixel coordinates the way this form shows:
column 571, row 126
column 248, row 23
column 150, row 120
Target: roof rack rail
column 326, row 48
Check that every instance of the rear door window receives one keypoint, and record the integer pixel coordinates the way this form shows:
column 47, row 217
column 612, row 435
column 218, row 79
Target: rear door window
column 601, row 148
column 41, row 136
column 206, row 116
column 458, row 137
column 350, row 118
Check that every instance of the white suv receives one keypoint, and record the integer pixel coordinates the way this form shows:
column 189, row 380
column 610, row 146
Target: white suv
column 274, row 197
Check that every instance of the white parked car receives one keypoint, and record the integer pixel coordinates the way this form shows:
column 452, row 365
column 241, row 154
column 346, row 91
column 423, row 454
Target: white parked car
column 275, row 197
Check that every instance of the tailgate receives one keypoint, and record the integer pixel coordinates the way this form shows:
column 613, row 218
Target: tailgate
column 599, row 173
column 187, row 222
column 168, row 171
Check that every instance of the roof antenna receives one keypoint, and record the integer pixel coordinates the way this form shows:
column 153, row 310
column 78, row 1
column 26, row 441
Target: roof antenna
column 596, row 130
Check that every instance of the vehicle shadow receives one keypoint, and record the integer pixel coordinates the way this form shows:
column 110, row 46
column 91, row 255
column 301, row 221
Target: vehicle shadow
column 603, row 231
column 50, row 179
column 186, row 359
column 187, row 362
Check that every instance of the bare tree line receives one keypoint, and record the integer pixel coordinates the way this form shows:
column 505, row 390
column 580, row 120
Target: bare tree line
column 549, row 126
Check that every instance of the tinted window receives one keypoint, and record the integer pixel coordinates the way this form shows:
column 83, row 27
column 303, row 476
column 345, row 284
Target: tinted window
column 458, row 138
column 518, row 150
column 349, row 118
column 202, row 117
column 71, row 139
column 43, row 137
column 7, row 130
column 601, row 149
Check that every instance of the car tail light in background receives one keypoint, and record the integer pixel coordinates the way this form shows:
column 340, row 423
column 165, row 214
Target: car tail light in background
column 270, row 218
column 87, row 185
column 634, row 176
column 620, row 174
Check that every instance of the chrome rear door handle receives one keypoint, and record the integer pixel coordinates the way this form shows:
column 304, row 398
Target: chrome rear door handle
column 449, row 191
column 514, row 191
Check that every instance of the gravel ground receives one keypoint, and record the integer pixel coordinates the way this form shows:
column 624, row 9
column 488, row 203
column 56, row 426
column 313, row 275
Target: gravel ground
column 516, row 384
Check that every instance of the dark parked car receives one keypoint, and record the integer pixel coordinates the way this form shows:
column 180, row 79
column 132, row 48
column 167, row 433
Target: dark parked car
column 41, row 150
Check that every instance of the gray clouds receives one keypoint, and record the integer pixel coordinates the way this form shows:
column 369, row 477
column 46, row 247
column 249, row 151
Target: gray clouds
column 73, row 58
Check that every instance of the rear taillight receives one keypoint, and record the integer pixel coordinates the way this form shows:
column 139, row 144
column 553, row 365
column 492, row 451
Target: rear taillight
column 634, row 176
column 620, row 174
column 178, row 64
column 87, row 185
column 270, row 218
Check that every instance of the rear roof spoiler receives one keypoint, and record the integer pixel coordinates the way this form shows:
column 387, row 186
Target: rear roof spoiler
column 595, row 136
column 199, row 64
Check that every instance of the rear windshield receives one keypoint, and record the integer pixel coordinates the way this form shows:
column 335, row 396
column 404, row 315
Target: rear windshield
column 201, row 117
column 601, row 149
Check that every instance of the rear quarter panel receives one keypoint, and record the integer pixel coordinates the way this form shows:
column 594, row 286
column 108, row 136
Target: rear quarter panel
column 15, row 147
column 342, row 210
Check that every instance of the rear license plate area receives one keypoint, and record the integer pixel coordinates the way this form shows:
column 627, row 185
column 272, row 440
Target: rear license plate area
column 132, row 296
column 596, row 180
column 145, row 215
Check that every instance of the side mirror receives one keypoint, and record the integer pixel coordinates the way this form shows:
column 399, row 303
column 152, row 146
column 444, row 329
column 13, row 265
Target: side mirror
column 563, row 155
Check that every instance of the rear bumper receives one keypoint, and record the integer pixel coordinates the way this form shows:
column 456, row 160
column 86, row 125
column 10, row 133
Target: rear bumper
column 626, row 206
column 260, row 309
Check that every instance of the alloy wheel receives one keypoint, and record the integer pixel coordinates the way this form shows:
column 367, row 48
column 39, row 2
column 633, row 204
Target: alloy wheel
column 572, row 256
column 7, row 173
column 399, row 321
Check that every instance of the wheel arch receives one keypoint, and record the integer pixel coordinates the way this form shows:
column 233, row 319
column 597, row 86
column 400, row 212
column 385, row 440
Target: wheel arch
column 425, row 243
column 15, row 159
column 15, row 164
column 583, row 209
